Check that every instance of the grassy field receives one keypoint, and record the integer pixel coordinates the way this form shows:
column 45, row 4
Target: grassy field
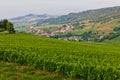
column 12, row 71
column 115, row 41
column 85, row 61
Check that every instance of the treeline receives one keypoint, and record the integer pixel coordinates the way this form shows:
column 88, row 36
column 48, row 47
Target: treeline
column 5, row 25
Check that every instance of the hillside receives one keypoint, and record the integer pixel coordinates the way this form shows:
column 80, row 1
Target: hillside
column 98, row 15
column 12, row 71
column 92, row 25
column 83, row 31
column 85, row 61
column 29, row 20
column 113, row 41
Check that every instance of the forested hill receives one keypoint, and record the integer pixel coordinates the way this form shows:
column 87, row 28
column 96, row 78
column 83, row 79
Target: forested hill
column 103, row 14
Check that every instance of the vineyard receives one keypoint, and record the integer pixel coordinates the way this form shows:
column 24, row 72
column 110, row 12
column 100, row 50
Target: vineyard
column 12, row 71
column 85, row 61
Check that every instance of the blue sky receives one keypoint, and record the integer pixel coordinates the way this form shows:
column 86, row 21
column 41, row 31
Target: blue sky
column 13, row 8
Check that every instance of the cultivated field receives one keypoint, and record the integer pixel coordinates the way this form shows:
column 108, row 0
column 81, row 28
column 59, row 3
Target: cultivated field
column 85, row 61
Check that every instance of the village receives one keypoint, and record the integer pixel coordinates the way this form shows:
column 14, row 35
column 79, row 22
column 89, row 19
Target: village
column 63, row 29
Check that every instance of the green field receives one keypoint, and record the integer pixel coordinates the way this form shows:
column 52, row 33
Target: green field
column 12, row 71
column 115, row 41
column 85, row 61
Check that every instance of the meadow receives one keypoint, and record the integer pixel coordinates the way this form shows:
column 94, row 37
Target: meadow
column 115, row 41
column 12, row 71
column 79, row 60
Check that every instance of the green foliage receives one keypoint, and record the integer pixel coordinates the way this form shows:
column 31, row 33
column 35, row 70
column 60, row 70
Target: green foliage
column 11, row 71
column 10, row 27
column 86, row 61
column 115, row 41
column 3, row 24
column 6, row 25
column 117, row 29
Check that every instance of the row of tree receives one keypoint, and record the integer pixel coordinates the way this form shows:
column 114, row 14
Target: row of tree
column 5, row 25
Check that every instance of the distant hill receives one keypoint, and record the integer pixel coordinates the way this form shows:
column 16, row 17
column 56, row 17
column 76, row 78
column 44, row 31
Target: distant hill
column 97, row 15
column 29, row 20
column 31, row 17
column 91, row 25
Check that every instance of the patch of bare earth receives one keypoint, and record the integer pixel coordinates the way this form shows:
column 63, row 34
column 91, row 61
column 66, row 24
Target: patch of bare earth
column 106, row 29
column 18, row 76
column 44, row 73
column 9, row 64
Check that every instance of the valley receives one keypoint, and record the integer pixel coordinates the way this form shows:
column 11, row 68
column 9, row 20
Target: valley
column 75, row 46
column 93, row 25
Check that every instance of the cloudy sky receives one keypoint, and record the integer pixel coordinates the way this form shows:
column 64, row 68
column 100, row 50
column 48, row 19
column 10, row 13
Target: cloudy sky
column 13, row 8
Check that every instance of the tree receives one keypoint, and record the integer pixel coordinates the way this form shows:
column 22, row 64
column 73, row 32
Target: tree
column 5, row 21
column 1, row 25
column 5, row 25
column 10, row 27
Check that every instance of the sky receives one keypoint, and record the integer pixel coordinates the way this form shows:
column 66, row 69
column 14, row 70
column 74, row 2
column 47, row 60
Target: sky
column 14, row 8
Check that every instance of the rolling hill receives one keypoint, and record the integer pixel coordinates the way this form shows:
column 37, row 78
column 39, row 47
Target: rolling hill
column 77, row 60
column 104, row 14
column 113, row 41
column 12, row 71
column 92, row 25
column 29, row 19
column 28, row 56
